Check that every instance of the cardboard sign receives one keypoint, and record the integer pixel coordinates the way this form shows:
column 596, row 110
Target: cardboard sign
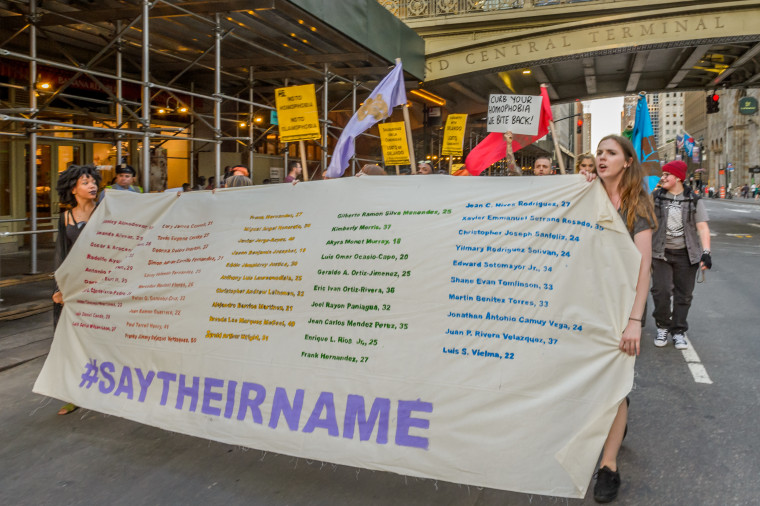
column 297, row 113
column 393, row 140
column 460, row 329
column 453, row 135
column 519, row 114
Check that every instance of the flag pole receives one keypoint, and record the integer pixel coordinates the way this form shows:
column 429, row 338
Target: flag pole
column 409, row 138
column 302, row 149
column 560, row 161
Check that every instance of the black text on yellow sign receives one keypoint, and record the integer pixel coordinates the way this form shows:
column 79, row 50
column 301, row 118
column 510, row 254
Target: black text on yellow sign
column 297, row 113
column 393, row 139
column 453, row 135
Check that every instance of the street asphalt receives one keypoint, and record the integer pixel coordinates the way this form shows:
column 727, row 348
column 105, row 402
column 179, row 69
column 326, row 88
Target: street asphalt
column 692, row 435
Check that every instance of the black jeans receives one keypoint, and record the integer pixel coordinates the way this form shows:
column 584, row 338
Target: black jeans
column 675, row 276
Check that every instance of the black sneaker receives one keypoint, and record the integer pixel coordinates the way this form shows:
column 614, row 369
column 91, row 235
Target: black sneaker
column 607, row 485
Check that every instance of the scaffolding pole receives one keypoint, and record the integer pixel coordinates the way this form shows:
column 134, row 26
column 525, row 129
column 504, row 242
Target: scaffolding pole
column 119, row 95
column 33, row 132
column 217, row 100
column 146, row 94
column 325, row 110
column 191, row 158
column 250, row 122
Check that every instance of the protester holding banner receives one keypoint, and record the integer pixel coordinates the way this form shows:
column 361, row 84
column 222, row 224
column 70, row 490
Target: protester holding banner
column 294, row 172
column 542, row 166
column 512, row 168
column 585, row 163
column 78, row 190
column 372, row 169
column 622, row 176
column 237, row 180
column 424, row 168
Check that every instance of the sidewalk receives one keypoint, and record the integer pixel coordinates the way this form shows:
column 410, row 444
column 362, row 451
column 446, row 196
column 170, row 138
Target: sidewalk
column 26, row 318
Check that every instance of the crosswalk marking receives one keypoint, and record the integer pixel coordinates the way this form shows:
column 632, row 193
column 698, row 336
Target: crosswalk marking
column 698, row 370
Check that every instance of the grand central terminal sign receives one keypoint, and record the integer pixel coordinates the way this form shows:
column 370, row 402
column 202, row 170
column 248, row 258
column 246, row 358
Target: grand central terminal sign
column 526, row 46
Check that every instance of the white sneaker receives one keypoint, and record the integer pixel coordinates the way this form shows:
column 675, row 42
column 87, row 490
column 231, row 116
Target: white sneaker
column 662, row 338
column 679, row 341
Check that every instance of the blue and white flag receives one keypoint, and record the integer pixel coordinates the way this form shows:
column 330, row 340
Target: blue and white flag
column 679, row 141
column 387, row 95
column 643, row 137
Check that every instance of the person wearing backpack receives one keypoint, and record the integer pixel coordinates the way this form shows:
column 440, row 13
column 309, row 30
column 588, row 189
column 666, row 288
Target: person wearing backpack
column 680, row 248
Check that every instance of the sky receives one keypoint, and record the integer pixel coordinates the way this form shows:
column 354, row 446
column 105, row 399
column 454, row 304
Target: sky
column 605, row 117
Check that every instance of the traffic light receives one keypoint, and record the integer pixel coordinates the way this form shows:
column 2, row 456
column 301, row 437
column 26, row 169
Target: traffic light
column 713, row 103
column 579, row 128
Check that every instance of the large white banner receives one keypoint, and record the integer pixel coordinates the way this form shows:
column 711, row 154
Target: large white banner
column 462, row 329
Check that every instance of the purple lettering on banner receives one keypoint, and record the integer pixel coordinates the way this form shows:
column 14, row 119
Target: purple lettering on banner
column 380, row 414
column 329, row 422
column 187, row 391
column 166, row 377
column 254, row 404
column 144, row 382
column 229, row 407
column 281, row 405
column 209, row 395
column 125, row 383
column 405, row 422
column 106, row 368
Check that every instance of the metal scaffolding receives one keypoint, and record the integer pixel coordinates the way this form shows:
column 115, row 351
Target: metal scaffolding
column 177, row 46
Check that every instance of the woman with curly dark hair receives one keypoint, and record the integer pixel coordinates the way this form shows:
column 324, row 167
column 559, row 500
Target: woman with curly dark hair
column 77, row 190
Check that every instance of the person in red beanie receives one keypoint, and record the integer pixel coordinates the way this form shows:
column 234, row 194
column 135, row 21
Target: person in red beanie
column 680, row 247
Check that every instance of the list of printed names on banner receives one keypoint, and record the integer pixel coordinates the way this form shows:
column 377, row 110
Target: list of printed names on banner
column 340, row 295
column 505, row 277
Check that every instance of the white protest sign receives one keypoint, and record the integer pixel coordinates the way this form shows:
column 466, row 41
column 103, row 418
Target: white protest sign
column 465, row 329
column 519, row 114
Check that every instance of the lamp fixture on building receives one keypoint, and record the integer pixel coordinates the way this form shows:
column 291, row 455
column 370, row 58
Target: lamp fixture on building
column 430, row 97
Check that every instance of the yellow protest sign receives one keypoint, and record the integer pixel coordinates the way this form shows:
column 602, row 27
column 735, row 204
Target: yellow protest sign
column 393, row 139
column 453, row 134
column 455, row 167
column 297, row 113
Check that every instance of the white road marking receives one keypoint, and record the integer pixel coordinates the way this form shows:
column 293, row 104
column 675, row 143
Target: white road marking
column 739, row 210
column 698, row 370
column 754, row 225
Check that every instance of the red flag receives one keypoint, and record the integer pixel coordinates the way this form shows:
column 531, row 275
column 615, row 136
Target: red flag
column 493, row 148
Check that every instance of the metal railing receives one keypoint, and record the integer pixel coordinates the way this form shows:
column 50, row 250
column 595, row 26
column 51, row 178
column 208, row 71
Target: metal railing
column 417, row 9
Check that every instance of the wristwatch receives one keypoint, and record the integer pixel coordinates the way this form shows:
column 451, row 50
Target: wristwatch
column 706, row 251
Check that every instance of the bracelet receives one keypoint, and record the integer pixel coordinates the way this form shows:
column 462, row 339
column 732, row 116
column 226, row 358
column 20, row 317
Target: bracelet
column 635, row 319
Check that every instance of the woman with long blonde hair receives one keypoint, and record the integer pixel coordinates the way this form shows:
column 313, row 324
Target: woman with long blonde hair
column 622, row 177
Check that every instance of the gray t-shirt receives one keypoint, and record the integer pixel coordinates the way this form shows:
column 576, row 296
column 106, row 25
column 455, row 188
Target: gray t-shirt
column 639, row 224
column 674, row 238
